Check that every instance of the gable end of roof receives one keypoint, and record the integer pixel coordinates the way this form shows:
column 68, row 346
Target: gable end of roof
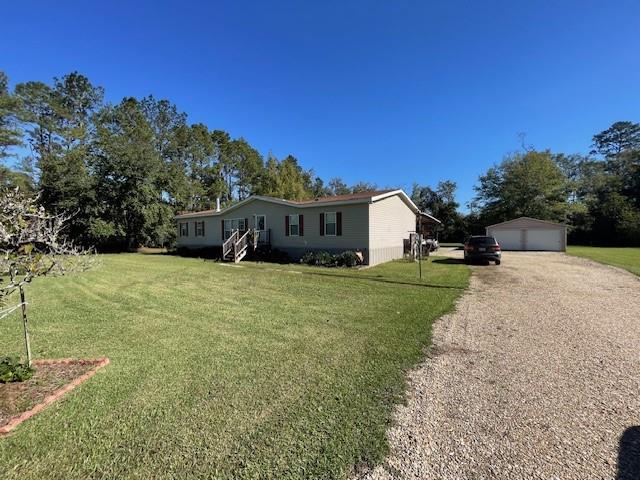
column 529, row 219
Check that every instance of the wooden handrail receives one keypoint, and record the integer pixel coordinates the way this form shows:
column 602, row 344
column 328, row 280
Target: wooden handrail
column 228, row 245
column 237, row 244
column 242, row 242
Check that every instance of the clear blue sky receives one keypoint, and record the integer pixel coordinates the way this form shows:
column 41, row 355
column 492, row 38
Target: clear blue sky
column 388, row 92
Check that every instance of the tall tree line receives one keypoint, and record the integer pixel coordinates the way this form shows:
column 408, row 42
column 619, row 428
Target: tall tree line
column 125, row 169
column 596, row 194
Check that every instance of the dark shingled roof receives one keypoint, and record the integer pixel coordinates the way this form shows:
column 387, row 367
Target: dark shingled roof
column 348, row 196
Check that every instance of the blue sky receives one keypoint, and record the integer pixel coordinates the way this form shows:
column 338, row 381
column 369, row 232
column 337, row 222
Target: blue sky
column 387, row 92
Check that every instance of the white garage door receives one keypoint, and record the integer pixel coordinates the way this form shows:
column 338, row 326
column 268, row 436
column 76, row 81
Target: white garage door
column 508, row 239
column 544, row 239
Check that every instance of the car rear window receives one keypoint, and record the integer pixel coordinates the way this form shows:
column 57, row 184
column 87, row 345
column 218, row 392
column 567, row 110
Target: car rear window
column 482, row 241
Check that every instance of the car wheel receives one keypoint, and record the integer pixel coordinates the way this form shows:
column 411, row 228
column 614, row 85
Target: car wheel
column 497, row 262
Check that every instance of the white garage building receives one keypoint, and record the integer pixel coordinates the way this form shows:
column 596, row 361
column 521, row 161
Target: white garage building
column 527, row 233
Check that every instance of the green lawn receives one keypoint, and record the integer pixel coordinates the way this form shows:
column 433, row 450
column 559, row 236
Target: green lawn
column 627, row 258
column 220, row 371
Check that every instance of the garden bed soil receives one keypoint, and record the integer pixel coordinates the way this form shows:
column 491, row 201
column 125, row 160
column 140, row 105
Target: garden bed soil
column 52, row 379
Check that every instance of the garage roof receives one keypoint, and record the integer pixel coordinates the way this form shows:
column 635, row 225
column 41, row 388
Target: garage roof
column 529, row 219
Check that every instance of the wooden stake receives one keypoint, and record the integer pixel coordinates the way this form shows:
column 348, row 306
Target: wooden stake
column 25, row 324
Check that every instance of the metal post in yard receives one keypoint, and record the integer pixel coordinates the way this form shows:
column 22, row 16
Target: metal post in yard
column 420, row 245
column 420, row 254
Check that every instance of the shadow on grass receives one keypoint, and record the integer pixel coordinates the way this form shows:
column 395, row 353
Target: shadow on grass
column 449, row 261
column 381, row 280
column 629, row 455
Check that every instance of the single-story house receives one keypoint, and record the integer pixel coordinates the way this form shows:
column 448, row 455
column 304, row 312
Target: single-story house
column 375, row 223
column 527, row 233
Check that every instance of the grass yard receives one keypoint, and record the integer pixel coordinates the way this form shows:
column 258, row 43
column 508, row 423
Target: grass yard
column 627, row 258
column 256, row 371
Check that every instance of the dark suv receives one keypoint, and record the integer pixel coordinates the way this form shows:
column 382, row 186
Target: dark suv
column 479, row 247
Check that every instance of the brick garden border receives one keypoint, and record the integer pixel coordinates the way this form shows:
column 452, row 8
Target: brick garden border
column 98, row 364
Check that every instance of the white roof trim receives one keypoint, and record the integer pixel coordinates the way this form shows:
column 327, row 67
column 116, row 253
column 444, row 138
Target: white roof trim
column 527, row 218
column 430, row 216
column 405, row 198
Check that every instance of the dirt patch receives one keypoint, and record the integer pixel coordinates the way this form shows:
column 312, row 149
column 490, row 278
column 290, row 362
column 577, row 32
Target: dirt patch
column 52, row 379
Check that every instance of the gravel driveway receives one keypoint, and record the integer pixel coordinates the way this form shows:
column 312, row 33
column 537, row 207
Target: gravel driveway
column 535, row 375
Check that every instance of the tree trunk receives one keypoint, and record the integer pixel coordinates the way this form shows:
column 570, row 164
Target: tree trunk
column 25, row 324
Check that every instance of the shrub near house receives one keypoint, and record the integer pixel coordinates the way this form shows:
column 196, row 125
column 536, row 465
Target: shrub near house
column 347, row 258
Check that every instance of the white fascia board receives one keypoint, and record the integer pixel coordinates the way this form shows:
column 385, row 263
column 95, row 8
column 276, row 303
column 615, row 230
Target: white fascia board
column 405, row 198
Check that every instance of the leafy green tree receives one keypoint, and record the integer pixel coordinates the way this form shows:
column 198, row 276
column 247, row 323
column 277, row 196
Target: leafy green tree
column 364, row 187
column 10, row 134
column 129, row 179
column 65, row 181
column 10, row 179
column 319, row 190
column 166, row 122
column 525, row 184
column 38, row 115
column 441, row 204
column 338, row 187
column 164, row 119
column 285, row 179
column 226, row 164
column 617, row 138
column 628, row 164
column 249, row 168
column 270, row 184
column 60, row 130
column 195, row 173
column 616, row 221
column 74, row 101
column 609, row 190
column 294, row 181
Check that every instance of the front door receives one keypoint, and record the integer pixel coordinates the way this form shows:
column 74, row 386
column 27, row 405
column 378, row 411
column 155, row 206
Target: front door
column 232, row 224
column 261, row 226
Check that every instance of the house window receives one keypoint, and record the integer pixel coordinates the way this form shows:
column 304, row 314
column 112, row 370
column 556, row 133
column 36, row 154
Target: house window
column 294, row 225
column 184, row 229
column 200, row 229
column 330, row 224
column 233, row 224
column 261, row 222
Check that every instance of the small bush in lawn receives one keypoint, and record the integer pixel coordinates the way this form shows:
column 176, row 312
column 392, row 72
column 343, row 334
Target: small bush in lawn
column 11, row 370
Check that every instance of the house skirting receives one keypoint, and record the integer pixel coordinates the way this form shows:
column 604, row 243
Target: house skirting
column 385, row 254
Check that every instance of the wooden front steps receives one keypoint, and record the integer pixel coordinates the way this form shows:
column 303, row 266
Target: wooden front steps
column 236, row 247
